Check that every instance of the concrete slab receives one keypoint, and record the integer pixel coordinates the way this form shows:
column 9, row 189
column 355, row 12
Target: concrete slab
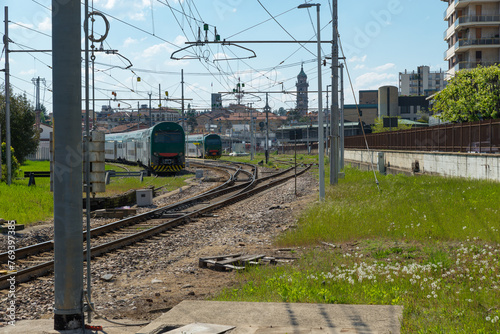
column 200, row 328
column 277, row 318
column 46, row 326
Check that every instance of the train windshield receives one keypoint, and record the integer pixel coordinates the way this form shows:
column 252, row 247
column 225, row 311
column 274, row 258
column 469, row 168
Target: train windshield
column 212, row 141
column 168, row 137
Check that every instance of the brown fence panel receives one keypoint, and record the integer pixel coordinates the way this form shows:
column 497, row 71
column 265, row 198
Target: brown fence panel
column 478, row 137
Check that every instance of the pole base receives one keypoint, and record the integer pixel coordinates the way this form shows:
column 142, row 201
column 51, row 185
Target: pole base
column 68, row 321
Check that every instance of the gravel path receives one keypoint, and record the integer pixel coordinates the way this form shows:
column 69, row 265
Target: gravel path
column 151, row 277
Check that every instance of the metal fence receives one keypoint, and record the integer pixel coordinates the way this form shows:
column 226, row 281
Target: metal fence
column 471, row 137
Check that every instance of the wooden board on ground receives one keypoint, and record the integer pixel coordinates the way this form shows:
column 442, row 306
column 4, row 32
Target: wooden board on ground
column 233, row 261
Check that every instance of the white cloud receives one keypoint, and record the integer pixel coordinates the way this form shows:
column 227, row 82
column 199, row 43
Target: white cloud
column 358, row 59
column 155, row 50
column 359, row 66
column 129, row 41
column 374, row 80
column 28, row 72
column 180, row 40
column 385, row 67
column 45, row 25
column 110, row 4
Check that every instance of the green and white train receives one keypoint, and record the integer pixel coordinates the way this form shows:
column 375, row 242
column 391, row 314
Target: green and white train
column 160, row 149
column 204, row 146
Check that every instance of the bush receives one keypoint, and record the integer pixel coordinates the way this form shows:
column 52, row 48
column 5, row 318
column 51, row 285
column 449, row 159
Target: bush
column 15, row 165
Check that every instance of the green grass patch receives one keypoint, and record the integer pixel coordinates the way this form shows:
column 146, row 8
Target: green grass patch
column 430, row 244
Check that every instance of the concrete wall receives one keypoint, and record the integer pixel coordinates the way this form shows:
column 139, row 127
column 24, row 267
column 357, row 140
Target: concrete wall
column 467, row 165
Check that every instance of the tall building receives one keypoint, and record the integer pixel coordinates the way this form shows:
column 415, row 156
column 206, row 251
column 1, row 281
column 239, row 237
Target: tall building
column 302, row 99
column 421, row 83
column 473, row 34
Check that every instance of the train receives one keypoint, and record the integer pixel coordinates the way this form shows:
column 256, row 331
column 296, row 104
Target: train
column 208, row 146
column 159, row 149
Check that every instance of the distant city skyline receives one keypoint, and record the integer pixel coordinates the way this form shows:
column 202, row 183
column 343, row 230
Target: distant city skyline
column 379, row 39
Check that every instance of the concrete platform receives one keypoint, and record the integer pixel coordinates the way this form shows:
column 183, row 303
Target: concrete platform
column 281, row 318
column 210, row 317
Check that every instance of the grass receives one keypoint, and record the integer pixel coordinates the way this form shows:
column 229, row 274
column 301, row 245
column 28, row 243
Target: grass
column 32, row 204
column 430, row 244
column 275, row 160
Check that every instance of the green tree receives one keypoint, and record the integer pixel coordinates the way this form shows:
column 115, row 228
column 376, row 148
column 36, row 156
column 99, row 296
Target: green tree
column 191, row 119
column 24, row 136
column 470, row 95
column 281, row 111
column 379, row 126
column 293, row 115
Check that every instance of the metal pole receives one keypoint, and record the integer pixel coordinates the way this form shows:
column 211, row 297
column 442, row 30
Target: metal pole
column 138, row 116
column 321, row 144
column 267, row 129
column 159, row 96
column 7, row 98
column 341, row 117
column 182, row 90
column 68, row 246
column 87, row 156
column 0, row 152
column 150, row 119
column 334, row 142
column 252, row 148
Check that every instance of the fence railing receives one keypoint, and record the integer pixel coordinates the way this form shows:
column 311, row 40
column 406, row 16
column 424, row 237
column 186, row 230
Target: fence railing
column 471, row 137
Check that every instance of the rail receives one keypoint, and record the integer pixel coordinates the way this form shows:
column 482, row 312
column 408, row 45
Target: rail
column 26, row 274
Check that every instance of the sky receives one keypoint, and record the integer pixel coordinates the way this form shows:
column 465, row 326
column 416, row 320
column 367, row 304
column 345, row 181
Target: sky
column 379, row 38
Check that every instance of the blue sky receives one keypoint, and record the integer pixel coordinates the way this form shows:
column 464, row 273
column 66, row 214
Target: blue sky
column 380, row 39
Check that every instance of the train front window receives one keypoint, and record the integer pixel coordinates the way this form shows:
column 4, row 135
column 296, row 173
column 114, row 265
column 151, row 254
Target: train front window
column 168, row 137
column 212, row 141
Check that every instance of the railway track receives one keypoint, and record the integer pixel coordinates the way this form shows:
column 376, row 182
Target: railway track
column 241, row 182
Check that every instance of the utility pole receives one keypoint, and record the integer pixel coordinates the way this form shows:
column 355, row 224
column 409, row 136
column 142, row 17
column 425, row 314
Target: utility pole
column 267, row 129
column 38, row 108
column 159, row 96
column 7, row 98
column 251, row 133
column 334, row 116
column 138, row 115
column 182, row 90
column 150, row 119
column 68, row 188
column 341, row 116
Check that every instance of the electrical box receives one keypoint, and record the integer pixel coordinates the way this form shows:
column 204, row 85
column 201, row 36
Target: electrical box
column 144, row 197
column 97, row 175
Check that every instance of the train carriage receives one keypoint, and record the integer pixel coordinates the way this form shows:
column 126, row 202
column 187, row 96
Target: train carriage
column 204, row 146
column 161, row 148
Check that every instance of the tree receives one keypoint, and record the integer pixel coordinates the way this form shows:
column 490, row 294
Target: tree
column 293, row 115
column 191, row 119
column 24, row 136
column 281, row 111
column 379, row 126
column 470, row 95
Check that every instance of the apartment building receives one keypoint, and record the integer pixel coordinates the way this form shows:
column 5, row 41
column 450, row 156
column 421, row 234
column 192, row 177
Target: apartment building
column 423, row 82
column 473, row 34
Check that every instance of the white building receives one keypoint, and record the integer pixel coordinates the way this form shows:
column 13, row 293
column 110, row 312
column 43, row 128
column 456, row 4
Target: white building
column 423, row 82
column 473, row 34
